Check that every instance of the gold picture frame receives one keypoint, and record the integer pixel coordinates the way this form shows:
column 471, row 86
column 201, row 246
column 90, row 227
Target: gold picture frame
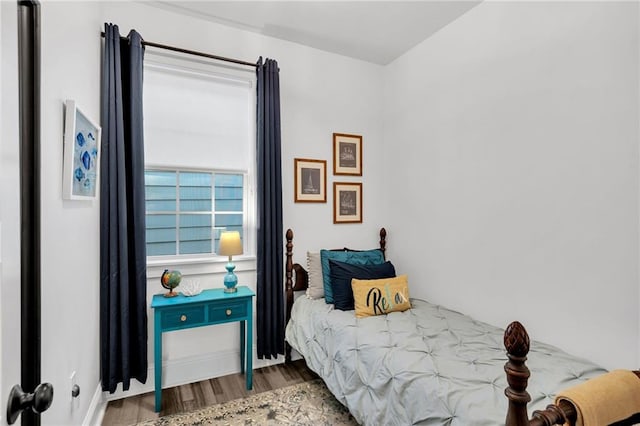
column 310, row 177
column 347, row 202
column 347, row 154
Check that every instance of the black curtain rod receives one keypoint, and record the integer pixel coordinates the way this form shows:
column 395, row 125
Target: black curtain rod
column 193, row 52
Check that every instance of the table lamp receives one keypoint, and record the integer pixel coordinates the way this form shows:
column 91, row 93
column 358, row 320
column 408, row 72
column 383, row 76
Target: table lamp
column 230, row 244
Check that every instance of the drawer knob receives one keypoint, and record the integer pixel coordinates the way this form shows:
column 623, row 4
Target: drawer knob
column 228, row 312
column 183, row 318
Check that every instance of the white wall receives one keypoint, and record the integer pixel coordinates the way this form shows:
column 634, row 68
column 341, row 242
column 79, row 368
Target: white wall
column 512, row 134
column 321, row 93
column 70, row 229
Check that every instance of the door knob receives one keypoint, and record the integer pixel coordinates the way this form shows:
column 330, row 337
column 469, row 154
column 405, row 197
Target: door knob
column 40, row 400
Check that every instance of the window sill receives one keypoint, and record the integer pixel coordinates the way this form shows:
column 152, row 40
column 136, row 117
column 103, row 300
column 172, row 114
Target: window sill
column 200, row 265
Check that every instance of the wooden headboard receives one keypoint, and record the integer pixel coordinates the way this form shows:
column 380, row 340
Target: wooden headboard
column 301, row 281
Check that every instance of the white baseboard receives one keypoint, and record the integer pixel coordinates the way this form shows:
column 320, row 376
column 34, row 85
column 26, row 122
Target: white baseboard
column 175, row 373
column 192, row 369
column 96, row 410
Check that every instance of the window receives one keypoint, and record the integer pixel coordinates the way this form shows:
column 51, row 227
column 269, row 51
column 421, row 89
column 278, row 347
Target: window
column 186, row 210
column 199, row 155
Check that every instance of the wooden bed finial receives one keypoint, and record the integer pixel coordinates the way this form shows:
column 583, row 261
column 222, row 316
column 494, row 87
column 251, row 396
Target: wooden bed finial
column 383, row 242
column 516, row 341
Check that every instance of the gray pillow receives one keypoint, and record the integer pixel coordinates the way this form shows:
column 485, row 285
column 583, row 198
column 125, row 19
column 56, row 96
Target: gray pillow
column 314, row 269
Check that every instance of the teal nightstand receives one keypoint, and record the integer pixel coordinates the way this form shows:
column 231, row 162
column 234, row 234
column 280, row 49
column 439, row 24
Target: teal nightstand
column 210, row 307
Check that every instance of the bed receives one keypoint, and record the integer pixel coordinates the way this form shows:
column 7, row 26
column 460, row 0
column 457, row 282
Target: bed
column 428, row 364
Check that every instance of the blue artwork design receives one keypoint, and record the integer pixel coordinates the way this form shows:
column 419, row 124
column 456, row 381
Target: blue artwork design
column 85, row 158
column 80, row 139
column 79, row 174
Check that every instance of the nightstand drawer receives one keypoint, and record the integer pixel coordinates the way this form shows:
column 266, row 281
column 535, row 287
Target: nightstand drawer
column 227, row 311
column 183, row 316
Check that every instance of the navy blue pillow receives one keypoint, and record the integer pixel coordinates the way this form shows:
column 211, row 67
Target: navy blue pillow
column 341, row 274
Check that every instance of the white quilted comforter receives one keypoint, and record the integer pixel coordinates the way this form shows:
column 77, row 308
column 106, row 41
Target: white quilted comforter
column 428, row 365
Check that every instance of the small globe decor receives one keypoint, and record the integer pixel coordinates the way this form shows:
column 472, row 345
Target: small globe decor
column 170, row 280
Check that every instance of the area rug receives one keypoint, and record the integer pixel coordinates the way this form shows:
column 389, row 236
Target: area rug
column 308, row 403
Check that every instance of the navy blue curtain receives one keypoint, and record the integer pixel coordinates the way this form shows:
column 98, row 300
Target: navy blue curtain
column 270, row 291
column 123, row 275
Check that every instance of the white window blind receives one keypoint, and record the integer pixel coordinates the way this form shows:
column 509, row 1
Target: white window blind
column 199, row 154
column 198, row 119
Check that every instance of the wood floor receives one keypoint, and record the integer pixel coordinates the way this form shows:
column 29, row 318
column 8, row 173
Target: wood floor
column 129, row 411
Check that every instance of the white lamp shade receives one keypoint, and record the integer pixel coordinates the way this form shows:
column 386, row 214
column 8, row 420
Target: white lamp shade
column 230, row 243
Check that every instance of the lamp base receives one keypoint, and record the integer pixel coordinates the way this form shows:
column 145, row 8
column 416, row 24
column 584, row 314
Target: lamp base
column 230, row 280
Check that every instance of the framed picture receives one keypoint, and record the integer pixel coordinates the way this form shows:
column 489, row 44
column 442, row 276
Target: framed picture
column 310, row 181
column 347, row 202
column 347, row 154
column 81, row 168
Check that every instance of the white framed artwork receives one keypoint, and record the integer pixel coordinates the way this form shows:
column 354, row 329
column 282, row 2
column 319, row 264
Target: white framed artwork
column 81, row 164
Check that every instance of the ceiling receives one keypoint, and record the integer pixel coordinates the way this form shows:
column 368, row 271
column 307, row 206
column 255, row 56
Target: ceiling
column 373, row 31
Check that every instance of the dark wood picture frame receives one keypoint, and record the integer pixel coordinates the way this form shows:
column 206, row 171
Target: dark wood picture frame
column 310, row 180
column 347, row 202
column 347, row 154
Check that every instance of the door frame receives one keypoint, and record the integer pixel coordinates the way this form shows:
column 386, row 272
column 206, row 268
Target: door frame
column 29, row 67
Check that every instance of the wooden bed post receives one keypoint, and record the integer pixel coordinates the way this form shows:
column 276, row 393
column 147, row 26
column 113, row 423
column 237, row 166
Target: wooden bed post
column 383, row 242
column 289, row 288
column 516, row 341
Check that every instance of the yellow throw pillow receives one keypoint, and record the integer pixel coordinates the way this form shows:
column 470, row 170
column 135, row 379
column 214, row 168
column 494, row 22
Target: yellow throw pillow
column 377, row 297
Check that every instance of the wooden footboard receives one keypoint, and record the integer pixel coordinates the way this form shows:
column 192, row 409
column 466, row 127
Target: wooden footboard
column 516, row 341
column 301, row 281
